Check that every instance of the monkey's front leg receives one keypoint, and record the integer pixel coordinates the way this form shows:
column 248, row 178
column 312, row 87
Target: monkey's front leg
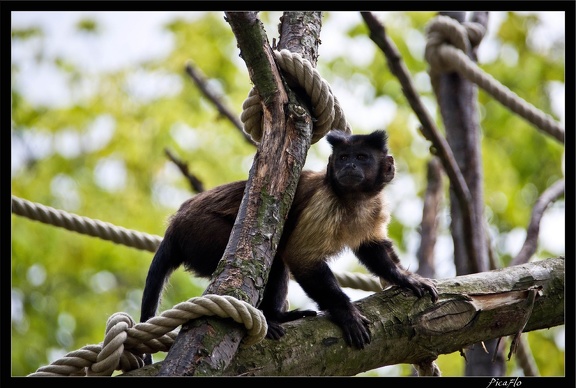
column 273, row 302
column 320, row 284
column 381, row 259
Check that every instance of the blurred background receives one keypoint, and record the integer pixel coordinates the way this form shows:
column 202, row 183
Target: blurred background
column 97, row 98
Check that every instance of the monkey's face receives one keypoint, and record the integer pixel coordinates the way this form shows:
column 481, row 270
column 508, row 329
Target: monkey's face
column 359, row 163
column 352, row 167
column 360, row 169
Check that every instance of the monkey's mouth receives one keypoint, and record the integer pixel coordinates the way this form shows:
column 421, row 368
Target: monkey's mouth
column 351, row 178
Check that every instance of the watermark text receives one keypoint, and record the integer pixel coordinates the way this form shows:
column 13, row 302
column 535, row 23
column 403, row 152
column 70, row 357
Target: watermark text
column 504, row 383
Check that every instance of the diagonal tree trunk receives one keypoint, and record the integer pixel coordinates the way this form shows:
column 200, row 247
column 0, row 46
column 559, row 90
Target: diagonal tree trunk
column 205, row 346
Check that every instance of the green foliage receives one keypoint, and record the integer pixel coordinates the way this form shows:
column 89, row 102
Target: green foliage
column 26, row 33
column 88, row 25
column 66, row 285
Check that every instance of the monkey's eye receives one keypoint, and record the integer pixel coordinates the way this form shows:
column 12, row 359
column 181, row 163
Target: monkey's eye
column 343, row 157
column 361, row 156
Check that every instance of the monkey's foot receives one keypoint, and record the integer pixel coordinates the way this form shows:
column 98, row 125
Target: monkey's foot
column 420, row 286
column 354, row 326
column 275, row 330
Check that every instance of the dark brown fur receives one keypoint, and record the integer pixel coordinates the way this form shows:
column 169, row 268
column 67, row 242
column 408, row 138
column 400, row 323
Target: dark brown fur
column 342, row 207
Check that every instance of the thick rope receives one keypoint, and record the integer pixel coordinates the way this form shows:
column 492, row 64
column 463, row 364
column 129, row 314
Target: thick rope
column 359, row 281
column 125, row 342
column 84, row 225
column 326, row 109
column 446, row 48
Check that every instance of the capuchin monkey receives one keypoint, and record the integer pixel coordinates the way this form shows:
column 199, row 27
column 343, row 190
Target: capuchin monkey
column 341, row 207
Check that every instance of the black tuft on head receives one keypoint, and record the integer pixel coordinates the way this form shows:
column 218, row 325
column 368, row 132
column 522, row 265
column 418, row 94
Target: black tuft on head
column 336, row 137
column 377, row 139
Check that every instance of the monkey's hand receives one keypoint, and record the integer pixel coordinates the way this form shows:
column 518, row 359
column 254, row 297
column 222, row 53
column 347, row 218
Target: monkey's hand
column 354, row 325
column 419, row 285
column 275, row 330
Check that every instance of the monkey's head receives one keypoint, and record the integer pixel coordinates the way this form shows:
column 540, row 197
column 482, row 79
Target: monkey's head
column 359, row 163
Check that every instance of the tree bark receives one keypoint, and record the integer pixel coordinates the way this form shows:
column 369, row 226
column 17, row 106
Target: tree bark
column 457, row 98
column 405, row 329
column 205, row 346
column 429, row 226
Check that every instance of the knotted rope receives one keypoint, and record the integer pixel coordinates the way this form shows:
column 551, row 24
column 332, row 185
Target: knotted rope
column 125, row 342
column 446, row 51
column 325, row 106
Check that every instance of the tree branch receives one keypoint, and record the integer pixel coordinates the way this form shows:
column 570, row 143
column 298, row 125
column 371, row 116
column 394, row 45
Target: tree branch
column 531, row 242
column 429, row 225
column 471, row 309
column 195, row 184
column 200, row 81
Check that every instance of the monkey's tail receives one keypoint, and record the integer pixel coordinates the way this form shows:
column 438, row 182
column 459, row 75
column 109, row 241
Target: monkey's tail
column 163, row 264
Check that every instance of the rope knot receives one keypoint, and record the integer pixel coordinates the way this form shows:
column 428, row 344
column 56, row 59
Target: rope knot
column 326, row 109
column 445, row 33
column 113, row 355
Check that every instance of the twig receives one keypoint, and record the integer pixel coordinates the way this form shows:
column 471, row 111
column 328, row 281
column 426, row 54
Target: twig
column 529, row 247
column 201, row 81
column 195, row 183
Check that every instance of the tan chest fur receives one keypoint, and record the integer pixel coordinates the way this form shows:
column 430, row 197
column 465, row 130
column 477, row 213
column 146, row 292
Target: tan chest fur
column 326, row 227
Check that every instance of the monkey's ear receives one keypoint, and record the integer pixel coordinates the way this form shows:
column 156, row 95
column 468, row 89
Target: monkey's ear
column 336, row 138
column 378, row 140
column 389, row 168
